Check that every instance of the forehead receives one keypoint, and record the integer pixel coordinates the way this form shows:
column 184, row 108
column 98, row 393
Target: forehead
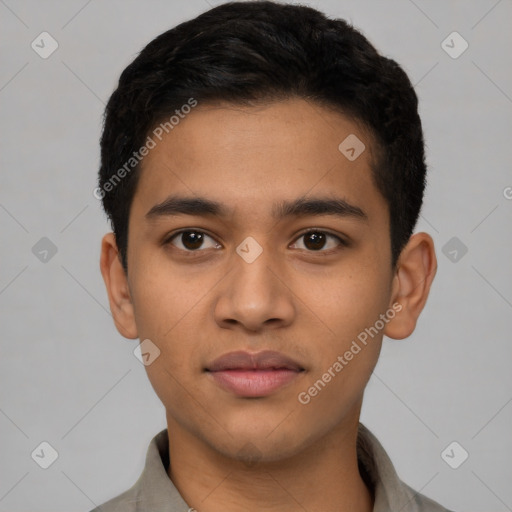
column 250, row 157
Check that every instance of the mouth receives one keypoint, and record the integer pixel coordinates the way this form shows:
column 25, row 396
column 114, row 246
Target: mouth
column 253, row 375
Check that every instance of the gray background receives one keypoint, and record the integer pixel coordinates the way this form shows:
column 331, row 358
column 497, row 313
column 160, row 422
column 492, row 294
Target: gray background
column 68, row 377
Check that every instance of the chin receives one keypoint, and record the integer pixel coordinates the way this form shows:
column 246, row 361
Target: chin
column 256, row 443
column 251, row 452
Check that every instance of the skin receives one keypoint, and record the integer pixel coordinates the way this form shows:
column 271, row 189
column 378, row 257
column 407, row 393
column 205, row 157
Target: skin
column 230, row 453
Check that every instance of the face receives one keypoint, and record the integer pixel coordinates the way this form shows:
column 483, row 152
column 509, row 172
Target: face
column 286, row 249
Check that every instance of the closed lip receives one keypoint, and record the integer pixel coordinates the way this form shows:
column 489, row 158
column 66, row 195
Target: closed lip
column 246, row 361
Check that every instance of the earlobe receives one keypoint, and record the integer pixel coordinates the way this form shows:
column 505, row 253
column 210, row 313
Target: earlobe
column 416, row 269
column 116, row 282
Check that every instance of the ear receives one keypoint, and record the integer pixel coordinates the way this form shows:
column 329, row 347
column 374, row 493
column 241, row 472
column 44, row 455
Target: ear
column 118, row 291
column 416, row 268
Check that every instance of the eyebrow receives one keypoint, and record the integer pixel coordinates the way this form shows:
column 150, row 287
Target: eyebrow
column 200, row 206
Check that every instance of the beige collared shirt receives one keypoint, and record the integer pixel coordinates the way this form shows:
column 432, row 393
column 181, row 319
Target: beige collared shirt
column 155, row 492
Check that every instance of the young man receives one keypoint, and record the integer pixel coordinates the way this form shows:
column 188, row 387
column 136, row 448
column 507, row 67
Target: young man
column 263, row 170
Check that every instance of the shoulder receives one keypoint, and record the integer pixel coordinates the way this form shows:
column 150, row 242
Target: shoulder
column 420, row 503
column 390, row 492
column 125, row 502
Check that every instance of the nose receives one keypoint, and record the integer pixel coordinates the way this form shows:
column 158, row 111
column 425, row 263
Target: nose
column 254, row 296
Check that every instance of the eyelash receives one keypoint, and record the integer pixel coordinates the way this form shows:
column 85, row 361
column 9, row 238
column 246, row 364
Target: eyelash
column 342, row 242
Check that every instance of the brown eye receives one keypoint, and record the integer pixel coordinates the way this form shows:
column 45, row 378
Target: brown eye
column 191, row 240
column 316, row 240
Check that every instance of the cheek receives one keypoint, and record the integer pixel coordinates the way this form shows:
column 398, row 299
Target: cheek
column 168, row 312
column 169, row 318
column 162, row 297
column 347, row 311
column 349, row 303
column 346, row 352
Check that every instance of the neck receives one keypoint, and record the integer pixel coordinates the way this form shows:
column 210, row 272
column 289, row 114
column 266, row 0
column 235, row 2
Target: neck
column 323, row 477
